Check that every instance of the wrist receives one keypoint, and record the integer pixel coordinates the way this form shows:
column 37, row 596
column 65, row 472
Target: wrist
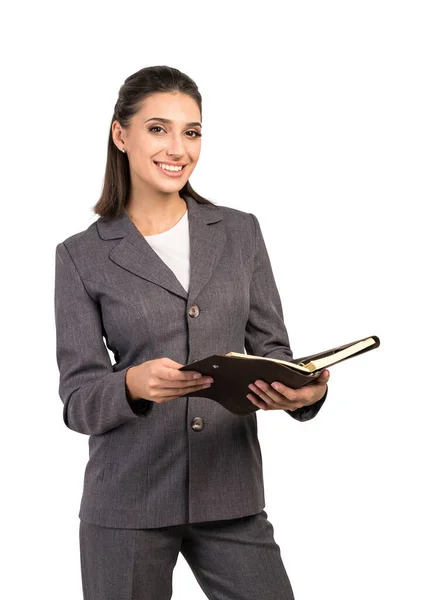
column 131, row 384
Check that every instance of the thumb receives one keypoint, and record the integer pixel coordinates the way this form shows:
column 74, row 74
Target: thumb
column 172, row 364
column 324, row 376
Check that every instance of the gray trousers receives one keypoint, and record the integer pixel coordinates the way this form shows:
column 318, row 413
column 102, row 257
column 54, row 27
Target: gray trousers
column 234, row 559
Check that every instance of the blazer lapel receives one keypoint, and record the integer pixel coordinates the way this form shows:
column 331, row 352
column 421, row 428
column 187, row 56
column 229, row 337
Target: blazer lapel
column 134, row 253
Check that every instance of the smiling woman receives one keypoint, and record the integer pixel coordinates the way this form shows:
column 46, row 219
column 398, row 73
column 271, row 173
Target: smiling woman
column 154, row 146
column 165, row 277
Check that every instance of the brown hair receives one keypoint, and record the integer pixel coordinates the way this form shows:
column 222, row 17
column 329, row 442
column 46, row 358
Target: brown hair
column 135, row 89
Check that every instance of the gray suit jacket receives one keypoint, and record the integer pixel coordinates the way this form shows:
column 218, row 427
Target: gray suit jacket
column 147, row 466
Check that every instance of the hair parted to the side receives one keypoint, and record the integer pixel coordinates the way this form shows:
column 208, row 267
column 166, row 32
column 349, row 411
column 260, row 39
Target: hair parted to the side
column 135, row 89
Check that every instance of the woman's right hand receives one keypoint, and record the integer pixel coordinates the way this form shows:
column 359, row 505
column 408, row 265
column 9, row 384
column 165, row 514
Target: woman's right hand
column 160, row 380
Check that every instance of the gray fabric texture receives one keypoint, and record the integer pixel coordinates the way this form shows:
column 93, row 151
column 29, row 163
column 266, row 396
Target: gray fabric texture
column 230, row 559
column 147, row 466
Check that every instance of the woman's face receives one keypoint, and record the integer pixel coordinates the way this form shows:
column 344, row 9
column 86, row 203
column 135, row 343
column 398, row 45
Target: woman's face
column 165, row 130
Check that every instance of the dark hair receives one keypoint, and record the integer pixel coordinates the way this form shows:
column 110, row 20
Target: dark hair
column 135, row 89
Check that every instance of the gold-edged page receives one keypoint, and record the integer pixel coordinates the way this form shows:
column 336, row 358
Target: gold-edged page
column 321, row 363
column 301, row 368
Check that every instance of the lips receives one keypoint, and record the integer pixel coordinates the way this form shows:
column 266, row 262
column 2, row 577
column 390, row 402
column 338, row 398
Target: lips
column 169, row 164
column 174, row 174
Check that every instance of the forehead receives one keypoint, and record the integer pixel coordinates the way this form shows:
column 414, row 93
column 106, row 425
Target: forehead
column 175, row 106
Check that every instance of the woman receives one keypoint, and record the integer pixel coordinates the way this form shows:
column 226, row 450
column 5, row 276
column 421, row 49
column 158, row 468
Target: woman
column 167, row 277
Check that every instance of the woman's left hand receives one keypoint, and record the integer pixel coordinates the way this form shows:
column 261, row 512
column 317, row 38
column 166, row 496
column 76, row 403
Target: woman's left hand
column 286, row 398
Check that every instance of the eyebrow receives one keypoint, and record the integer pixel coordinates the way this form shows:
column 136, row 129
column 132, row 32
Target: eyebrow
column 193, row 123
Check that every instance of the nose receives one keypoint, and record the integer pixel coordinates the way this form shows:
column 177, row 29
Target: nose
column 175, row 145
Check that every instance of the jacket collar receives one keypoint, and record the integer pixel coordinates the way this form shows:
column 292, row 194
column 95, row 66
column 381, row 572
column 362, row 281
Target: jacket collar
column 134, row 253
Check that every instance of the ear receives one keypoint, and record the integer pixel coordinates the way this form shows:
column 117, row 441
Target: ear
column 118, row 135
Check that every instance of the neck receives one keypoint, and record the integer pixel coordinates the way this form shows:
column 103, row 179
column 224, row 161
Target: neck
column 156, row 215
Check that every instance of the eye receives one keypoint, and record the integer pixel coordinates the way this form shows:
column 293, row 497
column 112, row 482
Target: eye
column 196, row 132
column 155, row 127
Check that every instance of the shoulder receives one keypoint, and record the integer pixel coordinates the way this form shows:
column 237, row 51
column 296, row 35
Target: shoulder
column 243, row 225
column 242, row 228
column 81, row 243
column 238, row 219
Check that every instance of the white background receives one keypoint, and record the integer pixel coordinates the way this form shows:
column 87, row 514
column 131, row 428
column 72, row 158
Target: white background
column 316, row 118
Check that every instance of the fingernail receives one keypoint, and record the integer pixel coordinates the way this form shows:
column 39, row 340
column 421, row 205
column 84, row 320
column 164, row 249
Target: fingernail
column 196, row 376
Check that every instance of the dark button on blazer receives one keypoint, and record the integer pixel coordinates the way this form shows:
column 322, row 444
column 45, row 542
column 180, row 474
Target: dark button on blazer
column 149, row 465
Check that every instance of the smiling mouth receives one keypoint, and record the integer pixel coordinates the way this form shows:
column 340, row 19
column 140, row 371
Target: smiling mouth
column 171, row 170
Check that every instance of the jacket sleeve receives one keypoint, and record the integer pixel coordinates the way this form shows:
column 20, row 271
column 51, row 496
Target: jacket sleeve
column 95, row 397
column 266, row 333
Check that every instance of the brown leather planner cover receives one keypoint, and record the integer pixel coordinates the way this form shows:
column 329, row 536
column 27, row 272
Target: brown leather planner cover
column 232, row 375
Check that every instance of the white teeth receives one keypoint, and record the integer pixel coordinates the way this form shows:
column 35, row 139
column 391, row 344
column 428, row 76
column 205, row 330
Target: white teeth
column 169, row 167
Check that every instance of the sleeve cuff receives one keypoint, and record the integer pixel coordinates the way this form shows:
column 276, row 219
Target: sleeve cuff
column 306, row 413
column 140, row 407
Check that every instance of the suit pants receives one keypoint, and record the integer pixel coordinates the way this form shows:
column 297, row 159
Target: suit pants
column 234, row 559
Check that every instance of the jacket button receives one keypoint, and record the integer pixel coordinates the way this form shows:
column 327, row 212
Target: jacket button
column 197, row 424
column 194, row 310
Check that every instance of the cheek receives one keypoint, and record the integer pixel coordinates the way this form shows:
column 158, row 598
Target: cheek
column 141, row 158
column 194, row 158
column 146, row 146
column 193, row 149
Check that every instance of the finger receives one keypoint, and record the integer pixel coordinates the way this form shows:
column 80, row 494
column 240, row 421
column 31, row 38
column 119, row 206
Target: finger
column 305, row 394
column 258, row 398
column 257, row 402
column 267, row 393
column 194, row 388
column 167, row 392
column 183, row 377
column 286, row 391
column 183, row 387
